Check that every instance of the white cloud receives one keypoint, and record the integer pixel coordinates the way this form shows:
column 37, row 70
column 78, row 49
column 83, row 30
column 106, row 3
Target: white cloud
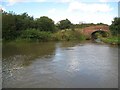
column 77, row 17
column 62, row 1
column 103, row 0
column 78, row 11
column 88, row 7
column 90, row 12
column 108, row 0
column 53, row 10
column 97, row 18
column 26, row 0
column 12, row 2
column 2, row 8
column 93, row 18
column 39, row 0
column 87, row 12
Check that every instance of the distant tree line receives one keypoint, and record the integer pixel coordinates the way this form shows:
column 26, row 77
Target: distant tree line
column 25, row 26
column 14, row 25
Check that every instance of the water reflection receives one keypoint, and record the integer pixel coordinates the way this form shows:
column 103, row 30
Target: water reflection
column 28, row 49
column 60, row 65
column 18, row 55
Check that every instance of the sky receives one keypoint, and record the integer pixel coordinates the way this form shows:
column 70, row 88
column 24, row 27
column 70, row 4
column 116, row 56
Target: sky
column 77, row 11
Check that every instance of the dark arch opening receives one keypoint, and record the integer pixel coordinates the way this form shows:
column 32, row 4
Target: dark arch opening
column 98, row 34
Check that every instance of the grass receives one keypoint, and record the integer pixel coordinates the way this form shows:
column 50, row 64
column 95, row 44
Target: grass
column 68, row 35
column 111, row 40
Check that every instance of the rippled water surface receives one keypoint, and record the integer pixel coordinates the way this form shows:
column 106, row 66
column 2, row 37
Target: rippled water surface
column 60, row 65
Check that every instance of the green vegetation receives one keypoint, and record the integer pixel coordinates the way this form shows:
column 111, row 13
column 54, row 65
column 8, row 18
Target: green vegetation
column 112, row 40
column 115, row 31
column 115, row 26
column 35, row 35
column 14, row 26
column 68, row 35
column 83, row 25
column 45, row 24
column 64, row 24
column 23, row 27
column 100, row 34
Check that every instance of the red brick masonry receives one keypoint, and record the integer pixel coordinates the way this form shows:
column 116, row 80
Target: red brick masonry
column 89, row 30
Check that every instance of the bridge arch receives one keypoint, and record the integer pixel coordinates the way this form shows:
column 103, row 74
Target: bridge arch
column 97, row 33
column 91, row 30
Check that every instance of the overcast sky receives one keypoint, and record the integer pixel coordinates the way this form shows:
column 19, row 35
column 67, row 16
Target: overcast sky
column 88, row 11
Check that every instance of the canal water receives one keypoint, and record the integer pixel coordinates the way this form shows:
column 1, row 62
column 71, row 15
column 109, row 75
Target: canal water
column 59, row 65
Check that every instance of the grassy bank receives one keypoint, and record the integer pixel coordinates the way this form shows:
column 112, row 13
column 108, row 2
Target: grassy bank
column 34, row 35
column 112, row 40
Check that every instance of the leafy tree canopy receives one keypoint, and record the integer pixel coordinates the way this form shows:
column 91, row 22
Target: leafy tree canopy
column 13, row 24
column 64, row 24
column 115, row 26
column 45, row 24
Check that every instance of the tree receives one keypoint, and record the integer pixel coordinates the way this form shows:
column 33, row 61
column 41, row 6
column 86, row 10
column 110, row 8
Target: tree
column 24, row 21
column 13, row 24
column 115, row 26
column 45, row 24
column 64, row 24
column 8, row 26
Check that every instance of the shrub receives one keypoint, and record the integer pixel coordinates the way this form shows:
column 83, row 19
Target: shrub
column 115, row 26
column 112, row 40
column 33, row 34
column 69, row 35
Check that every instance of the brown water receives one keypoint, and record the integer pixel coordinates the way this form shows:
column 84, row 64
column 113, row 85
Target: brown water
column 59, row 65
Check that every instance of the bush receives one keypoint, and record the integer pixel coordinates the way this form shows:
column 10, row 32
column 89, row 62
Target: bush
column 115, row 26
column 45, row 23
column 68, row 36
column 111, row 40
column 33, row 34
column 64, row 24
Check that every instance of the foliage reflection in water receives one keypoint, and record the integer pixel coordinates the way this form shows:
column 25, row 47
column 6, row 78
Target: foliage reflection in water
column 62, row 64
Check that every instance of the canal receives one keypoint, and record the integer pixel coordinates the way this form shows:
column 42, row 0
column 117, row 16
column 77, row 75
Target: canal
column 59, row 65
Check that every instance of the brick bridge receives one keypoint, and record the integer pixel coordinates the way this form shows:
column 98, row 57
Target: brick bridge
column 88, row 31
